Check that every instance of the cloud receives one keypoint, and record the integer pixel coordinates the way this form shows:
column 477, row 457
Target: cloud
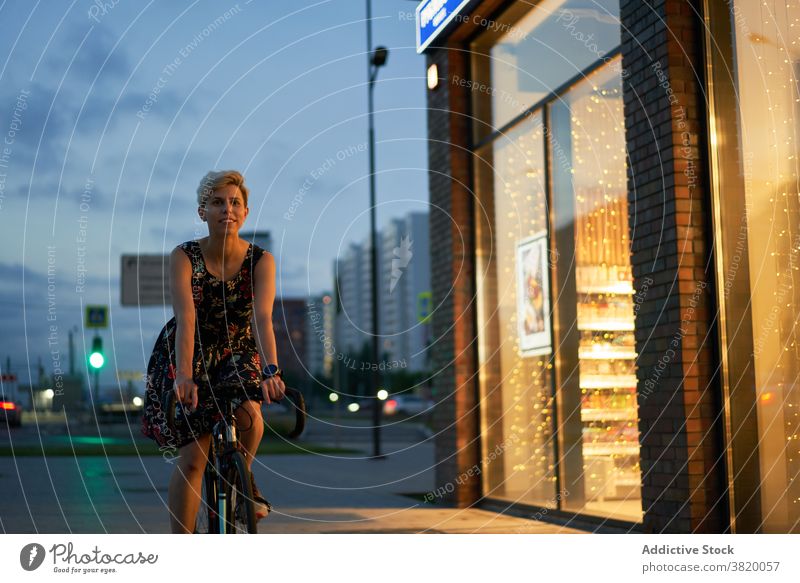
column 39, row 130
column 94, row 58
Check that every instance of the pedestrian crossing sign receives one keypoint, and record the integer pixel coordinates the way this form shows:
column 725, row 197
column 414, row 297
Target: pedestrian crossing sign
column 96, row 317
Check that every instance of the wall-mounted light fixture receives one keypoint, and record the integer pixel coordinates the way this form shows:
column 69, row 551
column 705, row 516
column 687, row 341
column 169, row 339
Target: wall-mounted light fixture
column 433, row 77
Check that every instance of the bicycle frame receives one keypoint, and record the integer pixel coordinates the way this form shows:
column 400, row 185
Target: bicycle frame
column 224, row 439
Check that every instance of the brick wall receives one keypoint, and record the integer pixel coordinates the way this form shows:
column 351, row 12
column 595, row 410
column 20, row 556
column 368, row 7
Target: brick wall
column 682, row 465
column 453, row 352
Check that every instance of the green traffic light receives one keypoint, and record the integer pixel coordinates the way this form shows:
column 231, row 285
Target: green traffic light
column 97, row 360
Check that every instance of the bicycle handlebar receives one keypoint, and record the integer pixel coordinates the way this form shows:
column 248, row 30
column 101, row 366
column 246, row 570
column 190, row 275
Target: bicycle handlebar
column 169, row 403
column 295, row 397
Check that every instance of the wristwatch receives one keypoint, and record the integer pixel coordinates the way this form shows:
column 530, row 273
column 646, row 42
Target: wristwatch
column 270, row 371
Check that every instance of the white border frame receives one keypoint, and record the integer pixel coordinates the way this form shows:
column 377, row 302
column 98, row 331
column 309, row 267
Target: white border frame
column 540, row 342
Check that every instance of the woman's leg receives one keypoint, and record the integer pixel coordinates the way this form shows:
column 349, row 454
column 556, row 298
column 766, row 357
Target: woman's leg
column 185, row 486
column 251, row 428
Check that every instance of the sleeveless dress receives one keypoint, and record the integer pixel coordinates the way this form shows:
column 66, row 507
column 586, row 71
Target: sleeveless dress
column 224, row 350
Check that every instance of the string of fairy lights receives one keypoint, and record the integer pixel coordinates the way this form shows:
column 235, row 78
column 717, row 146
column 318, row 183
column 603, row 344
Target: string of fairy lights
column 772, row 191
column 605, row 311
column 605, row 293
column 521, row 211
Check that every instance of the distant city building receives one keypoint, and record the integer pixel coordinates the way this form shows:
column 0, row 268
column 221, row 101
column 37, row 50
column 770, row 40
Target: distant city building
column 403, row 292
column 289, row 323
column 404, row 289
column 261, row 238
column 353, row 323
column 320, row 345
column 288, row 319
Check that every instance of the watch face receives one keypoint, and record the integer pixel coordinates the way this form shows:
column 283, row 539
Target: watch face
column 271, row 369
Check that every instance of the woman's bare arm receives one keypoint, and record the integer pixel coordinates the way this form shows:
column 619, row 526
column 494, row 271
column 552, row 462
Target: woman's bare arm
column 180, row 285
column 262, row 309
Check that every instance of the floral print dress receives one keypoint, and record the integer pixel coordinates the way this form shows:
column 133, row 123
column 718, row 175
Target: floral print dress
column 224, row 350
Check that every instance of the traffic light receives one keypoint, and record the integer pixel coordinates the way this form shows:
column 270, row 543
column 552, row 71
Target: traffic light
column 96, row 358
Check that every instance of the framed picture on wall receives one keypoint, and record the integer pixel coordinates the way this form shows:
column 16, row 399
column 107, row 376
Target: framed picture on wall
column 533, row 295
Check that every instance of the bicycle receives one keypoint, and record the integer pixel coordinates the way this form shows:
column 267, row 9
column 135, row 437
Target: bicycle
column 226, row 486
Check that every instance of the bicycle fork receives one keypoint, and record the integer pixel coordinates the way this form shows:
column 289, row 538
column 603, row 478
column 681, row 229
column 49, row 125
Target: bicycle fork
column 222, row 477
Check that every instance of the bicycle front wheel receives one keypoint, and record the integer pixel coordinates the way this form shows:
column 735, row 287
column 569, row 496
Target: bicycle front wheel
column 240, row 512
column 207, row 517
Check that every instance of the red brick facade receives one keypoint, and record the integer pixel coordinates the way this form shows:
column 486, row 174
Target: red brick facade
column 452, row 267
column 683, row 469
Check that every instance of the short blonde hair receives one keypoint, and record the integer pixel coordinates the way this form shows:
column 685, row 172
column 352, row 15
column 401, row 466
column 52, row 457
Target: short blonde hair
column 217, row 179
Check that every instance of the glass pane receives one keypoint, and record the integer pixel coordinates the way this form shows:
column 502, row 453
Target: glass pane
column 590, row 192
column 516, row 389
column 533, row 52
column 767, row 81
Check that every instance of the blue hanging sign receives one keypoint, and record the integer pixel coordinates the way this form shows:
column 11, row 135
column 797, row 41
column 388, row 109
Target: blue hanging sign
column 432, row 18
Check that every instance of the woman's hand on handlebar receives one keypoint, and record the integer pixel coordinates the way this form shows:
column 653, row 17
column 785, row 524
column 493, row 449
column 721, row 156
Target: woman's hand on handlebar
column 273, row 389
column 186, row 391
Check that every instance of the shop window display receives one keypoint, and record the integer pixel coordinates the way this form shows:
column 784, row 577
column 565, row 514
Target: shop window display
column 557, row 356
column 590, row 200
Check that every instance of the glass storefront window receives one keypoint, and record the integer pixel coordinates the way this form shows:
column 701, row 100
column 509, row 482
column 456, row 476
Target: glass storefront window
column 755, row 139
column 544, row 48
column 557, row 355
column 559, row 425
column 598, row 420
column 516, row 388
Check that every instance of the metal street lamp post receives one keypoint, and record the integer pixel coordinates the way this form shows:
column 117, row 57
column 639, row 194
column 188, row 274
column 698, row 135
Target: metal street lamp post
column 375, row 60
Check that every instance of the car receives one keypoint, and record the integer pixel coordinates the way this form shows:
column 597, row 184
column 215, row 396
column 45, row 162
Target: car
column 406, row 405
column 10, row 411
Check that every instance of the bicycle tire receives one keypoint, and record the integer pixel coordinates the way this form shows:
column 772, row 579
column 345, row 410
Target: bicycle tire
column 207, row 521
column 240, row 511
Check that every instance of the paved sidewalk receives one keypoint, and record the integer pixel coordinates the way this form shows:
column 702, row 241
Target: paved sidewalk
column 311, row 494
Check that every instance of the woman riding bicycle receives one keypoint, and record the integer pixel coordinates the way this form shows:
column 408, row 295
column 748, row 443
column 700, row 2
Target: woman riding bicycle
column 223, row 289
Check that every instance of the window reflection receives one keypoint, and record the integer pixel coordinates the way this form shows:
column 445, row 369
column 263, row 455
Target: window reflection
column 516, row 400
column 543, row 49
column 767, row 54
